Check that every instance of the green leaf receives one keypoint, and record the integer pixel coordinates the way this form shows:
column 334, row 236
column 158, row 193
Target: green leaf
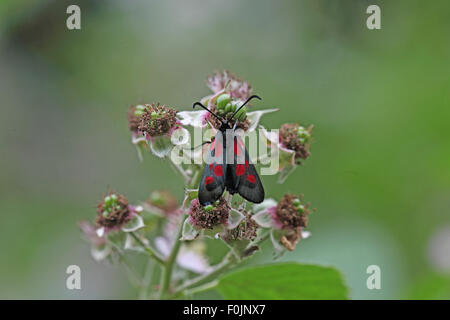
column 431, row 287
column 283, row 281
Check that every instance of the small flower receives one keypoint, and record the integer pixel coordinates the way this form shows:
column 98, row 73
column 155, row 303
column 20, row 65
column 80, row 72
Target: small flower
column 157, row 120
column 228, row 82
column 246, row 230
column 292, row 142
column 295, row 137
column 209, row 216
column 225, row 108
column 114, row 213
column 152, row 126
column 229, row 93
column 287, row 219
column 290, row 213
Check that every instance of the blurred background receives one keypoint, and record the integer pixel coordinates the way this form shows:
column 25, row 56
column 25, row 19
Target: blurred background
column 379, row 173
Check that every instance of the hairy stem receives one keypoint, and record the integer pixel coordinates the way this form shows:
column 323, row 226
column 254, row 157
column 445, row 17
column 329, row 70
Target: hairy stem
column 167, row 272
column 202, row 288
column 147, row 279
column 149, row 250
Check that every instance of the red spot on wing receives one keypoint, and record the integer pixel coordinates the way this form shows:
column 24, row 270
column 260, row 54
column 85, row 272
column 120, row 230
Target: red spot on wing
column 209, row 180
column 251, row 178
column 246, row 163
column 240, row 169
column 211, row 166
column 218, row 171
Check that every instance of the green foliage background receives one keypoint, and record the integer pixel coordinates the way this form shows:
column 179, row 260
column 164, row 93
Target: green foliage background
column 379, row 173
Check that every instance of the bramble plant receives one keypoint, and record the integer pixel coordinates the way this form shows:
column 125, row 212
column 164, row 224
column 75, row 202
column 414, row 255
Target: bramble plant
column 173, row 234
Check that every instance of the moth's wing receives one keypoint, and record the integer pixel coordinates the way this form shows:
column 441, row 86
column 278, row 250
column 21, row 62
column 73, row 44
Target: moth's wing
column 242, row 175
column 212, row 183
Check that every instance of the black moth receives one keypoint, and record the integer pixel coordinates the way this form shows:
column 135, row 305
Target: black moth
column 228, row 166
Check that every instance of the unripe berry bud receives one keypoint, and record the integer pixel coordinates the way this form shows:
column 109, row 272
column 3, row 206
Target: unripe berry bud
column 107, row 201
column 303, row 134
column 209, row 207
column 241, row 114
column 234, row 106
column 228, row 108
column 223, row 100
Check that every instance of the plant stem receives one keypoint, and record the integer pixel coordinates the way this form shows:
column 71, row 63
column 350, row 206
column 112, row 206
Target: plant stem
column 149, row 250
column 226, row 262
column 202, row 288
column 180, row 169
column 146, row 280
column 199, row 284
column 167, row 272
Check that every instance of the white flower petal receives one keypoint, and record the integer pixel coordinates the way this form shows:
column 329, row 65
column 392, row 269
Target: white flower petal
column 99, row 253
column 134, row 224
column 193, row 118
column 287, row 163
column 234, row 219
column 180, row 136
column 130, row 244
column 306, row 234
column 263, row 219
column 189, row 232
column 267, row 203
column 100, row 231
column 255, row 116
column 275, row 236
column 272, row 136
column 160, row 146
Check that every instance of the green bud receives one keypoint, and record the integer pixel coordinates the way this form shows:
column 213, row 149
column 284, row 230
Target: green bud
column 223, row 100
column 303, row 134
column 107, row 201
column 209, row 207
column 114, row 197
column 105, row 214
column 241, row 114
column 140, row 107
column 296, row 202
column 228, row 108
column 138, row 113
column 301, row 208
column 154, row 115
column 234, row 106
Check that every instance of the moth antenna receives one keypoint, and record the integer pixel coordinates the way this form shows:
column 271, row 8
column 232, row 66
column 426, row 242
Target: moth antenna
column 199, row 104
column 252, row 97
